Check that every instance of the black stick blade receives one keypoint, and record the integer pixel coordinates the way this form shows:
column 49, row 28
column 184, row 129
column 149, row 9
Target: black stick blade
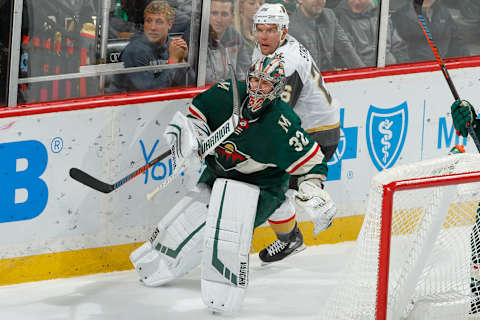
column 417, row 4
column 90, row 181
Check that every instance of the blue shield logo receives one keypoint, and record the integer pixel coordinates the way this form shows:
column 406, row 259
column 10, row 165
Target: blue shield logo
column 386, row 132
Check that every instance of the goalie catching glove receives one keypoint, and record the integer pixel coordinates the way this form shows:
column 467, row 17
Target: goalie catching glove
column 185, row 136
column 317, row 203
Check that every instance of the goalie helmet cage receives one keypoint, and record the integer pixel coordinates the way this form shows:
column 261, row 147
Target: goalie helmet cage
column 412, row 258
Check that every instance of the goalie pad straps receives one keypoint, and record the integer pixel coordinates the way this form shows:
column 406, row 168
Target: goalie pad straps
column 175, row 247
column 228, row 236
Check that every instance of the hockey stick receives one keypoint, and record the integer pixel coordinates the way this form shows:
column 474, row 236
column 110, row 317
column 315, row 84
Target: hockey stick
column 417, row 4
column 218, row 136
column 210, row 143
column 94, row 183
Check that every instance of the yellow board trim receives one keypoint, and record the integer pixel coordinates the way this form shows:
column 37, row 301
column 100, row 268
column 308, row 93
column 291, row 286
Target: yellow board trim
column 116, row 258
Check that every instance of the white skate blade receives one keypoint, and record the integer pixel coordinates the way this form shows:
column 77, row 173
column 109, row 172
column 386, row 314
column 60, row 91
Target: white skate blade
column 294, row 252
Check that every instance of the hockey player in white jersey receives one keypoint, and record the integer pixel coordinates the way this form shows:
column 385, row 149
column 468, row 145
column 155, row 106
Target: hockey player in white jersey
column 306, row 93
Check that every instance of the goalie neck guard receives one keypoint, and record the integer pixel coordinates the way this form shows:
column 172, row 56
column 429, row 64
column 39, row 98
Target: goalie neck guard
column 266, row 81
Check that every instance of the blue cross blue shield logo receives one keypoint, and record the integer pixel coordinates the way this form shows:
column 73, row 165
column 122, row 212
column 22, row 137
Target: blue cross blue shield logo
column 386, row 132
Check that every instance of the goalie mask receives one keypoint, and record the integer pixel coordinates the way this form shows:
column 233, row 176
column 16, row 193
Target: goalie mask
column 266, row 81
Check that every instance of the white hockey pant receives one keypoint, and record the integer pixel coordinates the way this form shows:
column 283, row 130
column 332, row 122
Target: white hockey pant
column 286, row 212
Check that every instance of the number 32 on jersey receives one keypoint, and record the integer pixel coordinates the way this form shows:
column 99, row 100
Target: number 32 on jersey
column 299, row 141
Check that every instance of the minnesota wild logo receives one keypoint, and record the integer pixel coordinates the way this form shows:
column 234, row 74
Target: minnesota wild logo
column 228, row 157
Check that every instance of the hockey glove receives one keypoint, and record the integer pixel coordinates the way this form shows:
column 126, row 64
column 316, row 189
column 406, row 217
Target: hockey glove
column 317, row 203
column 463, row 114
column 201, row 130
column 183, row 140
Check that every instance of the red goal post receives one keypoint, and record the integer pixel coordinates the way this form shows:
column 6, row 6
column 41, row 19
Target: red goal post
column 387, row 209
column 412, row 258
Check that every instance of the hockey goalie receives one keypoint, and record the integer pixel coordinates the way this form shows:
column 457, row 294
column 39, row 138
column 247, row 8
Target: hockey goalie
column 244, row 184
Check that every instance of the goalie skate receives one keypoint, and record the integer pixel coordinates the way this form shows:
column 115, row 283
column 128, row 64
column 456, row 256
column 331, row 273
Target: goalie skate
column 279, row 250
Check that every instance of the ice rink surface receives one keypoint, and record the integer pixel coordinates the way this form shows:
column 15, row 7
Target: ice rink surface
column 292, row 289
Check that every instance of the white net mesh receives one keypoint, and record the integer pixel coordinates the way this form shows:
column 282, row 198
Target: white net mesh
column 431, row 251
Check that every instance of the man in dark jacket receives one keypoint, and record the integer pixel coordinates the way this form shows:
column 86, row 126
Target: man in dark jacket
column 154, row 47
column 359, row 19
column 444, row 30
column 317, row 28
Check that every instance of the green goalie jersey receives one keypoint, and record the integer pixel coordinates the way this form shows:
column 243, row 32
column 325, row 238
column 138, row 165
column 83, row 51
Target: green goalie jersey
column 263, row 151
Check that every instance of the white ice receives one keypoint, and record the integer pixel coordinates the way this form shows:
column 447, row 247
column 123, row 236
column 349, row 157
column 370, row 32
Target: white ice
column 292, row 289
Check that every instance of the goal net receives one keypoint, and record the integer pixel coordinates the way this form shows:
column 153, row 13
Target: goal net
column 413, row 256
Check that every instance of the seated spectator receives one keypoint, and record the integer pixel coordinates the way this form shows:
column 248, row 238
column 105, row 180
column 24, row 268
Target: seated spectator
column 359, row 19
column 443, row 28
column 244, row 21
column 317, row 28
column 224, row 40
column 154, row 47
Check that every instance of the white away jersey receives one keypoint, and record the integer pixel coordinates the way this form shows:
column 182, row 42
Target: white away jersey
column 305, row 91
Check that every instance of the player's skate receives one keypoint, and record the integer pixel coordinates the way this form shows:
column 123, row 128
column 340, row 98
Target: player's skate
column 282, row 248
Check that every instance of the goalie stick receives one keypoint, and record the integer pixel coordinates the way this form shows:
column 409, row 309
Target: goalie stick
column 212, row 141
column 94, row 183
column 417, row 4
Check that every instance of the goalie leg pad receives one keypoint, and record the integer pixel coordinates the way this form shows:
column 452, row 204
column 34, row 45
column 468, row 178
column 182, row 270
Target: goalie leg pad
column 228, row 237
column 176, row 245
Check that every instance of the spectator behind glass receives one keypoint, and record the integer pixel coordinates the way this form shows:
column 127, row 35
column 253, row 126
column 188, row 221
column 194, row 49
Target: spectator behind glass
column 317, row 28
column 154, row 47
column 244, row 21
column 224, row 39
column 359, row 19
column 443, row 28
